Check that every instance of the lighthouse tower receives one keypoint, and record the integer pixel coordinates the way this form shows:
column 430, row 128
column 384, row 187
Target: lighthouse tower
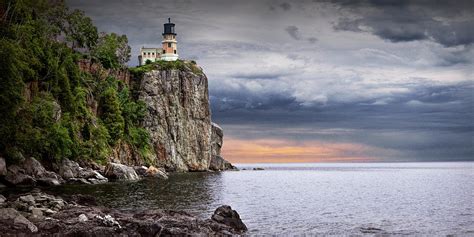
column 170, row 50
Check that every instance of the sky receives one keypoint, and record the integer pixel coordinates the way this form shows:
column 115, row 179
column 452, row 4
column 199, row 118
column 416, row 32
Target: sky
column 321, row 81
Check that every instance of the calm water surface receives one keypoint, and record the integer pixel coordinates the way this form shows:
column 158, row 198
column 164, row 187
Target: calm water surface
column 398, row 198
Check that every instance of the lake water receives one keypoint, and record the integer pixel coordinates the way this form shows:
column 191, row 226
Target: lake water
column 347, row 198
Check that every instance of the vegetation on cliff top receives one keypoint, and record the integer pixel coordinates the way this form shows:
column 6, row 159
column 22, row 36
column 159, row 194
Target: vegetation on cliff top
column 182, row 65
column 48, row 107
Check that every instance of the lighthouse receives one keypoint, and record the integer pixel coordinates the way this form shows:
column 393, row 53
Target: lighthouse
column 169, row 43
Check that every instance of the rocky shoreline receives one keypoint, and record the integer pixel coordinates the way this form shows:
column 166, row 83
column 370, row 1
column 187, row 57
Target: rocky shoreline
column 40, row 214
column 30, row 172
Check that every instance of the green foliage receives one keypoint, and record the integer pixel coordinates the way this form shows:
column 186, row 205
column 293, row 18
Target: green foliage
column 80, row 30
column 166, row 65
column 112, row 115
column 48, row 106
column 40, row 133
column 112, row 50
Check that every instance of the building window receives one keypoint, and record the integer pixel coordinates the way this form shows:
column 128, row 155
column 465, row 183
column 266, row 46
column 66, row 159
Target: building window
column 164, row 51
column 175, row 51
column 148, row 53
column 153, row 53
column 169, row 45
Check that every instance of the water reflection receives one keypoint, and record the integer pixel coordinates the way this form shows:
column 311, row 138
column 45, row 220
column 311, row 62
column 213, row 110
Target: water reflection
column 192, row 192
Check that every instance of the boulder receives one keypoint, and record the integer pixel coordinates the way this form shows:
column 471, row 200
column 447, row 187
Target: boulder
column 17, row 176
column 141, row 170
column 156, row 172
column 2, row 200
column 83, row 218
column 120, row 172
column 12, row 219
column 225, row 215
column 74, row 173
column 3, row 167
column 219, row 164
column 31, row 172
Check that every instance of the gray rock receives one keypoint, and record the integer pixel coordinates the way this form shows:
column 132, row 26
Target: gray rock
column 31, row 172
column 74, row 173
column 83, row 218
column 2, row 200
column 140, row 170
column 219, row 164
column 177, row 118
column 108, row 220
column 14, row 220
column 48, row 182
column 76, row 221
column 225, row 215
column 120, row 172
column 49, row 212
column 27, row 199
column 37, row 212
column 17, row 176
column 3, row 167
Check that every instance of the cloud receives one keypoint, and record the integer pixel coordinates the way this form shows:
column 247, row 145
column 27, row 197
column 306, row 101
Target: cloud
column 404, row 21
column 285, row 6
column 312, row 40
column 293, row 31
column 392, row 76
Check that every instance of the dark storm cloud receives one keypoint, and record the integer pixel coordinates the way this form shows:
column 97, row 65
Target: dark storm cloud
column 259, row 75
column 294, row 32
column 285, row 6
column 430, row 123
column 414, row 100
column 403, row 21
column 312, row 40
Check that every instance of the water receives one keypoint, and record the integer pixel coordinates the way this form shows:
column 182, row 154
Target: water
column 398, row 198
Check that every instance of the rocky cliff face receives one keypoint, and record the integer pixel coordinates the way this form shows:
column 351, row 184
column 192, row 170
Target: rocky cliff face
column 178, row 117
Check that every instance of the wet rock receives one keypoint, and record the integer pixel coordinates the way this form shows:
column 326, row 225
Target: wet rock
column 83, row 218
column 3, row 167
column 156, row 172
column 225, row 215
column 74, row 173
column 120, row 172
column 37, row 212
column 48, row 182
column 219, row 164
column 29, row 199
column 108, row 220
column 140, row 170
column 31, row 172
column 16, row 176
column 2, row 200
column 77, row 220
column 12, row 221
column 82, row 199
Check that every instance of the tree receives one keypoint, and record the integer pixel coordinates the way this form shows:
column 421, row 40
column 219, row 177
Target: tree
column 112, row 115
column 80, row 30
column 112, row 50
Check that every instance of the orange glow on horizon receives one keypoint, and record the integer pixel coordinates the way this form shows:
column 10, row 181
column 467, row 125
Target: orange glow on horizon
column 287, row 151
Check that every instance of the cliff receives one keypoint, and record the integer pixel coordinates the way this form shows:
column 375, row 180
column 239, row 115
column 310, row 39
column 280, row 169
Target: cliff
column 178, row 116
column 74, row 99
